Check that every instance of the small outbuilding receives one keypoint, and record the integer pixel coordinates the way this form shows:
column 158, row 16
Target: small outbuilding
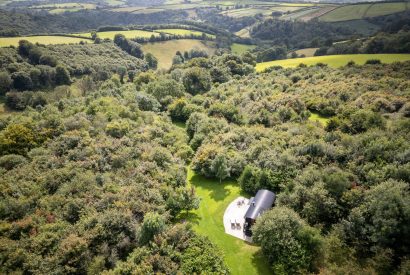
column 263, row 200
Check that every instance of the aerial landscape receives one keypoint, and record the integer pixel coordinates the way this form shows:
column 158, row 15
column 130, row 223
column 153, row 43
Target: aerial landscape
column 204, row 137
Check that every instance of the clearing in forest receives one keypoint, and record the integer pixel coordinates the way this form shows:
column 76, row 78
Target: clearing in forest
column 241, row 257
column 333, row 60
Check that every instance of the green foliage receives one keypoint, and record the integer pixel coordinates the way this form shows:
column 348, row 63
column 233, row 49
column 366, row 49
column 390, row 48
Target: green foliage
column 17, row 139
column 151, row 60
column 290, row 245
column 62, row 76
column 196, row 80
column 220, row 168
column 153, row 224
column 381, row 220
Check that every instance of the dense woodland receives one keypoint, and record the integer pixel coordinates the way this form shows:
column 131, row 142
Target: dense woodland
column 95, row 147
column 95, row 181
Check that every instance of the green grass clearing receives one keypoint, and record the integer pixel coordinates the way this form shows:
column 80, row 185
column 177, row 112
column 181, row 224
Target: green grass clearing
column 333, row 60
column 165, row 51
column 317, row 117
column 46, row 40
column 237, row 48
column 241, row 257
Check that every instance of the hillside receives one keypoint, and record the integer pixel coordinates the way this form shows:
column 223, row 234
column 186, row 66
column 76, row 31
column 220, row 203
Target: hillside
column 204, row 137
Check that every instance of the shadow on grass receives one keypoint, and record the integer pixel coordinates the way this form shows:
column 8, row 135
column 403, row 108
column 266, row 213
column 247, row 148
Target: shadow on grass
column 188, row 216
column 260, row 262
column 219, row 191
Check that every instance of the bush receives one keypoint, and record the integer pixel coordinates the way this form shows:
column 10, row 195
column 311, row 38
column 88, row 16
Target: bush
column 291, row 246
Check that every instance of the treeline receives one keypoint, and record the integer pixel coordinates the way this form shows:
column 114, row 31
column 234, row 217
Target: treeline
column 299, row 35
column 43, row 22
column 381, row 43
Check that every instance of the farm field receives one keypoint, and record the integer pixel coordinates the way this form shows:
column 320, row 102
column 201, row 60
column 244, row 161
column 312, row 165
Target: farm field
column 241, row 48
column 165, row 51
column 184, row 32
column 360, row 11
column 299, row 14
column 237, row 13
column 333, row 60
column 244, row 33
column 128, row 34
column 128, row 9
column 49, row 39
column 308, row 52
column 64, row 7
column 241, row 257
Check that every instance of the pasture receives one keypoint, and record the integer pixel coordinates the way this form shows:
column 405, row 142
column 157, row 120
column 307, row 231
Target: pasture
column 360, row 11
column 46, row 40
column 165, row 51
column 184, row 32
column 308, row 52
column 241, row 257
column 128, row 34
column 64, row 7
column 237, row 48
column 333, row 60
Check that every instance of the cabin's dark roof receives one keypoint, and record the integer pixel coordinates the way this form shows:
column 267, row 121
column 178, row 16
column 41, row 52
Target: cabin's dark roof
column 263, row 201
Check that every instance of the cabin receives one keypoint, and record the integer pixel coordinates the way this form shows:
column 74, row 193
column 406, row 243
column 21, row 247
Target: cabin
column 263, row 200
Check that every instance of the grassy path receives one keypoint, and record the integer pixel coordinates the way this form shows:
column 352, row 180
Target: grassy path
column 241, row 258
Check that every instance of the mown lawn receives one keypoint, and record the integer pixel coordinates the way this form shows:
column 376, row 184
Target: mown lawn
column 47, row 39
column 333, row 60
column 241, row 257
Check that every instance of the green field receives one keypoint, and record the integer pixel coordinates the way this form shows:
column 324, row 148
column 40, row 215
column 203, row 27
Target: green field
column 165, row 51
column 128, row 34
column 183, row 32
column 241, row 257
column 241, row 48
column 360, row 11
column 49, row 39
column 333, row 60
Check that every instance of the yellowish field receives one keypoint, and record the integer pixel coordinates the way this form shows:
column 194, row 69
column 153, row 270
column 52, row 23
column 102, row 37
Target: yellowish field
column 244, row 33
column 183, row 32
column 128, row 34
column 13, row 41
column 333, row 60
column 308, row 52
column 165, row 51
